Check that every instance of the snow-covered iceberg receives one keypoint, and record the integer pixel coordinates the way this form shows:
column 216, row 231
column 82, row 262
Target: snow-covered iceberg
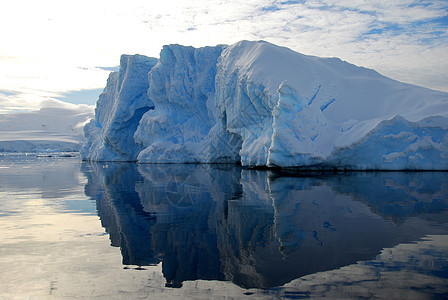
column 259, row 104
column 50, row 129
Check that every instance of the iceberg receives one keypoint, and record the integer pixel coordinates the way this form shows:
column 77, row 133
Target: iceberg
column 262, row 105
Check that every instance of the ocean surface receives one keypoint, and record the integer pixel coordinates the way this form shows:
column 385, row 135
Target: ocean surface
column 70, row 229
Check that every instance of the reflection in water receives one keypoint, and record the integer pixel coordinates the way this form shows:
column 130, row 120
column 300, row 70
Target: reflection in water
column 260, row 228
column 48, row 179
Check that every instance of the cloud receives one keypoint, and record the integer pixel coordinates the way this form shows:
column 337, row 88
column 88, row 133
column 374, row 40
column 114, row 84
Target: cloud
column 56, row 47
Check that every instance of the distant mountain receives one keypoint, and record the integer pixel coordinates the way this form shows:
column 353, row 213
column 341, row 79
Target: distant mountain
column 45, row 130
column 259, row 104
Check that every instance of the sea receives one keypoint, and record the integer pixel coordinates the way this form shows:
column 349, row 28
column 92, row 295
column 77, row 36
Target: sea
column 73, row 229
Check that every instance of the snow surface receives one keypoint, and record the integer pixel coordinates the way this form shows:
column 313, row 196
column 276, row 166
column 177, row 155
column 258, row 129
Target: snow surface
column 259, row 104
column 50, row 129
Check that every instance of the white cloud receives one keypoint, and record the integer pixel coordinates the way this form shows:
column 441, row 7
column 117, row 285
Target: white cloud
column 51, row 47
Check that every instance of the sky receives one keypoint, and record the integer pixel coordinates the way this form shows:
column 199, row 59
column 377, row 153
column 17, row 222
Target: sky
column 53, row 50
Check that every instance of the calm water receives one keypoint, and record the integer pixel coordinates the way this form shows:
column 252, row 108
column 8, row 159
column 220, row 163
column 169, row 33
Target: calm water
column 122, row 230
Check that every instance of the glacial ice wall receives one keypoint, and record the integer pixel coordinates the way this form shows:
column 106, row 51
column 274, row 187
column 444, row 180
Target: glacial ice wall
column 110, row 135
column 182, row 89
column 258, row 104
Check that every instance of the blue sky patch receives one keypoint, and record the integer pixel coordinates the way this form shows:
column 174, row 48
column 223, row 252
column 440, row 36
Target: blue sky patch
column 112, row 69
column 89, row 96
column 441, row 21
column 9, row 93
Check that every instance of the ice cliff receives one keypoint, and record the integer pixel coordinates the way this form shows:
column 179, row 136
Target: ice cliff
column 258, row 104
column 119, row 109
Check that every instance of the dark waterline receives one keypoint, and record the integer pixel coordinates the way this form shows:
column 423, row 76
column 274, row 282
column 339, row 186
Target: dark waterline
column 262, row 233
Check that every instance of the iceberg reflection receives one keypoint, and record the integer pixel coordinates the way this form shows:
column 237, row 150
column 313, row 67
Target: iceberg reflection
column 259, row 228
